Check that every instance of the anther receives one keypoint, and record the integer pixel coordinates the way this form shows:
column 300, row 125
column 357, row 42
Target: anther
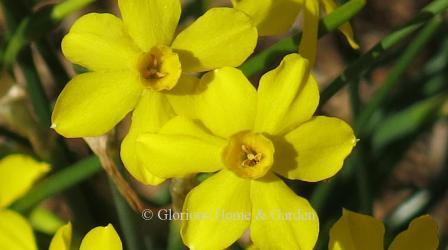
column 251, row 158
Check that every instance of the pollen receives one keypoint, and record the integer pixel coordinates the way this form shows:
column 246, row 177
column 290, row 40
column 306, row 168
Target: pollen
column 249, row 155
column 160, row 68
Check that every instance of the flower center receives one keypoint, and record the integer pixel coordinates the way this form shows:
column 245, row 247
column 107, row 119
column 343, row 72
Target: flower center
column 251, row 158
column 249, row 155
column 160, row 68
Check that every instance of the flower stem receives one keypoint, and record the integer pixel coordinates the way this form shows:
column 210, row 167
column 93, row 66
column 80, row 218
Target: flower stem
column 174, row 239
column 127, row 218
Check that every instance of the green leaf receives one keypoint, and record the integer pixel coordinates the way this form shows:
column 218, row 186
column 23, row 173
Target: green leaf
column 60, row 181
column 395, row 74
column 361, row 66
column 406, row 122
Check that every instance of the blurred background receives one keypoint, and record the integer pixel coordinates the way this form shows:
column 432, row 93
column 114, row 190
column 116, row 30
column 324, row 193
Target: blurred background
column 397, row 105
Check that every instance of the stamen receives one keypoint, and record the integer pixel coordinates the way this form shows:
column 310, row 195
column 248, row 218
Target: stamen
column 248, row 154
column 251, row 159
column 152, row 69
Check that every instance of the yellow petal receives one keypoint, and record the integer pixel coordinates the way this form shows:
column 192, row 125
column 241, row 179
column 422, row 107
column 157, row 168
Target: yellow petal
column 303, row 106
column 150, row 114
column 15, row 232
column 315, row 150
column 272, row 17
column 182, row 97
column 181, row 148
column 150, row 23
column 221, row 37
column 422, row 233
column 308, row 44
column 287, row 96
column 355, row 231
column 101, row 238
column 100, row 42
column 228, row 103
column 346, row 29
column 93, row 103
column 280, row 218
column 62, row 239
column 18, row 173
column 222, row 203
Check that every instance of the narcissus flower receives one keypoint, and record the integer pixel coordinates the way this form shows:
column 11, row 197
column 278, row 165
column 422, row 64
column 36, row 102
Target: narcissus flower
column 137, row 54
column 250, row 137
column 17, row 233
column 358, row 231
column 18, row 173
column 274, row 17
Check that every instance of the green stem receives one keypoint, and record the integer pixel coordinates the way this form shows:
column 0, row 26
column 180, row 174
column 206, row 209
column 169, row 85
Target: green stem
column 365, row 196
column 127, row 204
column 324, row 234
column 57, row 183
column 355, row 101
column 128, row 220
column 397, row 71
column 174, row 239
column 360, row 67
column 290, row 44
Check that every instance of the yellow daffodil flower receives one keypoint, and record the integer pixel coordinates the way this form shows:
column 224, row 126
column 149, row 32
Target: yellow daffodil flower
column 136, row 57
column 250, row 137
column 18, row 173
column 274, row 17
column 355, row 231
column 17, row 234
